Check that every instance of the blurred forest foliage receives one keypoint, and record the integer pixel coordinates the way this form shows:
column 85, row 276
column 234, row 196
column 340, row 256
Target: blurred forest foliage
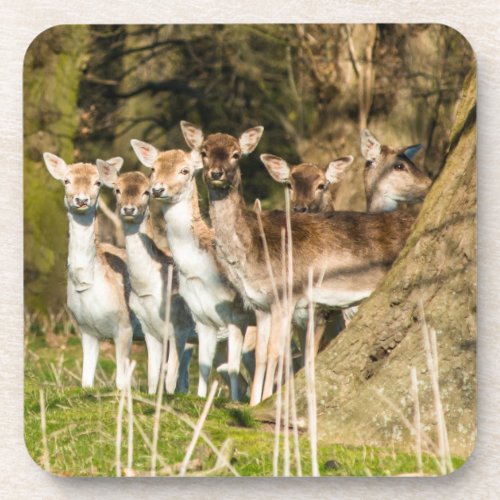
column 88, row 90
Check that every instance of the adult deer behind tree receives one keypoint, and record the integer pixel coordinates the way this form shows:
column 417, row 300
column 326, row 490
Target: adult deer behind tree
column 352, row 251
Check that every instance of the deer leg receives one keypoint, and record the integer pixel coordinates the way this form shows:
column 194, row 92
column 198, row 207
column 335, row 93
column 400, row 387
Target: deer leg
column 234, row 346
column 261, row 345
column 319, row 331
column 274, row 351
column 154, row 347
column 90, row 347
column 183, row 379
column 207, row 342
column 177, row 340
column 122, row 348
column 248, row 350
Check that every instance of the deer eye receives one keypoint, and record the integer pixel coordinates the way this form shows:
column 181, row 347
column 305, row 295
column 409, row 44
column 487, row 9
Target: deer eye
column 184, row 171
column 152, row 169
column 66, row 181
column 97, row 183
column 203, row 154
column 146, row 193
column 236, row 156
column 321, row 187
column 289, row 186
column 399, row 166
column 117, row 191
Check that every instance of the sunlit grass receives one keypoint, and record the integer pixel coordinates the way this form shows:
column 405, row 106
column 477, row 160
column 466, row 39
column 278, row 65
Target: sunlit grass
column 81, row 424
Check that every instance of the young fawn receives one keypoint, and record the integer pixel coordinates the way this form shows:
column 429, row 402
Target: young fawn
column 352, row 251
column 98, row 283
column 214, row 303
column 308, row 183
column 148, row 270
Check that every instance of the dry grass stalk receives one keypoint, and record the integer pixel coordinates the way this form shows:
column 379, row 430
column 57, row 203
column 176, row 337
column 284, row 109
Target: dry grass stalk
column 161, row 380
column 257, row 207
column 416, row 419
column 288, row 327
column 129, row 368
column 198, row 428
column 311, row 380
column 279, row 399
column 431, row 355
column 130, row 415
column 43, row 423
column 295, row 428
column 190, row 424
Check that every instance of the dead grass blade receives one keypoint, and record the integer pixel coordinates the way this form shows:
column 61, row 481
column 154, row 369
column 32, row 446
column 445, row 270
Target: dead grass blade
column 197, row 430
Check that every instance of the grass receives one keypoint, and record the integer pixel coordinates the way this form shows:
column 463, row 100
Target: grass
column 81, row 424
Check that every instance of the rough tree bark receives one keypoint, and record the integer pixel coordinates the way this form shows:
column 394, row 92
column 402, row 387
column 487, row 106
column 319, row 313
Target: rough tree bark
column 377, row 350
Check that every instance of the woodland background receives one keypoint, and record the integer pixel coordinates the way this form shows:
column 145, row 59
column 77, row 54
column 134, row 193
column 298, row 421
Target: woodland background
column 89, row 89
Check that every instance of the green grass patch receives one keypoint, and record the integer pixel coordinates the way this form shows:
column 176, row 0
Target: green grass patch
column 81, row 424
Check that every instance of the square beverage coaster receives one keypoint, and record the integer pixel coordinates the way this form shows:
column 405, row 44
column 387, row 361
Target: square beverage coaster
column 250, row 250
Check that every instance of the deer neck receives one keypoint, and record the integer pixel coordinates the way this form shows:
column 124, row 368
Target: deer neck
column 140, row 250
column 377, row 201
column 326, row 204
column 233, row 237
column 187, row 232
column 82, row 250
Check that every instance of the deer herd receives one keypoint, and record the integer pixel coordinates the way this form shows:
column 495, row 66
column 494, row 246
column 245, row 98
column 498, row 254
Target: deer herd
column 226, row 271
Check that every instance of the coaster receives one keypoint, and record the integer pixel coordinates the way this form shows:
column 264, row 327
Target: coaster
column 250, row 250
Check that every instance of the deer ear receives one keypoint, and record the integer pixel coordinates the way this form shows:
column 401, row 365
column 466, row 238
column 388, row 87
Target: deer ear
column 196, row 160
column 277, row 167
column 146, row 153
column 411, row 151
column 108, row 173
column 250, row 138
column 192, row 134
column 370, row 147
column 337, row 169
column 56, row 166
column 117, row 162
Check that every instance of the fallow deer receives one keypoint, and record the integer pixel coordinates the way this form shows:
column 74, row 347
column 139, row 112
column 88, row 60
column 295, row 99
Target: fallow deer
column 353, row 251
column 148, row 269
column 214, row 303
column 308, row 183
column 98, row 283
column 390, row 176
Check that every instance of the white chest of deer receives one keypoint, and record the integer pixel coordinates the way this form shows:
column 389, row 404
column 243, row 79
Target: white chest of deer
column 200, row 282
column 92, row 297
column 147, row 297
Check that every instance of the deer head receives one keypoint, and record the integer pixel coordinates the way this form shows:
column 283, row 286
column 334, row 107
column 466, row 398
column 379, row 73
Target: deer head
column 172, row 172
column 390, row 174
column 81, row 181
column 220, row 153
column 308, row 184
column 131, row 190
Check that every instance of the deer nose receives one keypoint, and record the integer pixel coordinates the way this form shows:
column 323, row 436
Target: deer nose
column 80, row 200
column 129, row 210
column 300, row 209
column 157, row 191
column 216, row 174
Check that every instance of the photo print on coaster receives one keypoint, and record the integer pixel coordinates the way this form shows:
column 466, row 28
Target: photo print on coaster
column 250, row 250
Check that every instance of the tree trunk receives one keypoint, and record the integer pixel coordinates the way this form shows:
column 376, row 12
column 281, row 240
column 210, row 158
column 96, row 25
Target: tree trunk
column 376, row 352
column 52, row 71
